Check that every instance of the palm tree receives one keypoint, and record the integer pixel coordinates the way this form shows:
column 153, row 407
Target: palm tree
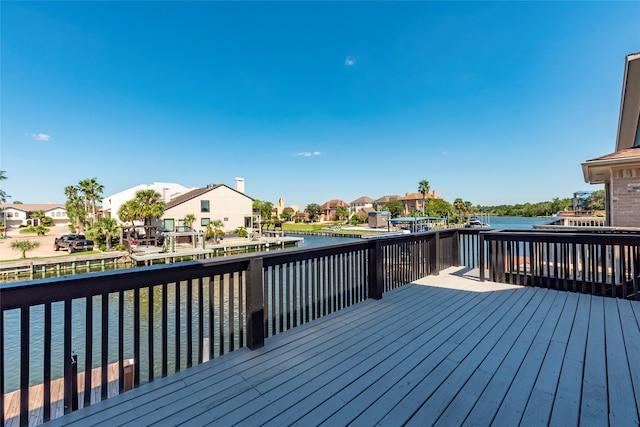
column 75, row 208
column 39, row 215
column 459, row 206
column 189, row 219
column 92, row 191
column 3, row 195
column 129, row 211
column 423, row 188
column 215, row 229
column 107, row 227
column 150, row 204
column 24, row 246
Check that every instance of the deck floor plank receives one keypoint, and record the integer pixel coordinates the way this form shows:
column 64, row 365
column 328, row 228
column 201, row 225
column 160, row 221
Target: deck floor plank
column 516, row 399
column 540, row 403
column 332, row 397
column 622, row 405
column 486, row 336
column 421, row 355
column 631, row 335
column 566, row 405
column 595, row 403
column 492, row 398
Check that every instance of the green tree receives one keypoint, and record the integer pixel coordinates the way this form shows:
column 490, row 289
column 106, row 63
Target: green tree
column 150, row 205
column 92, row 191
column 438, row 207
column 24, row 246
column 3, row 195
column 342, row 212
column 395, row 207
column 286, row 215
column 314, row 211
column 459, row 206
column 265, row 209
column 129, row 211
column 423, row 188
column 189, row 219
column 595, row 201
column 106, row 228
column 242, row 232
column 39, row 215
column 76, row 210
column 214, row 229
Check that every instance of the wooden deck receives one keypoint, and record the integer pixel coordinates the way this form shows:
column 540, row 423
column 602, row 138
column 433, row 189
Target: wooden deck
column 447, row 350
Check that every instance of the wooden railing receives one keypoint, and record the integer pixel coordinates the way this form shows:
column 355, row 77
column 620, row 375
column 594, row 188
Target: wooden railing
column 605, row 264
column 168, row 318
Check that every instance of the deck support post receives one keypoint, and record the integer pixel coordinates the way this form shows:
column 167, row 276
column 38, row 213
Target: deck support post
column 437, row 254
column 255, row 305
column 375, row 270
column 481, row 255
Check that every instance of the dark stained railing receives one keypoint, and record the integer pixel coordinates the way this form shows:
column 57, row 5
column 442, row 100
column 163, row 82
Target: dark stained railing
column 171, row 317
column 605, row 264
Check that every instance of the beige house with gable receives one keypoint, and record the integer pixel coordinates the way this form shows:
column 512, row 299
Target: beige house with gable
column 208, row 204
column 620, row 170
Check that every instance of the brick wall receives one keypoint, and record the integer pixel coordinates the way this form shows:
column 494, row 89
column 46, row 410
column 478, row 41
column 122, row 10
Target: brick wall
column 625, row 197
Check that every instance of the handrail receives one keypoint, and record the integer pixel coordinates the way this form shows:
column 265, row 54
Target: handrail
column 598, row 263
column 170, row 317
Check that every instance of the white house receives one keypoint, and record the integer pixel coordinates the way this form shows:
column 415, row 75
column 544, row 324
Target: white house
column 111, row 204
column 359, row 204
column 17, row 214
column 208, row 204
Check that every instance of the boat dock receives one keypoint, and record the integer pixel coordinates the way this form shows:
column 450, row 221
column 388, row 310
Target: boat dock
column 157, row 255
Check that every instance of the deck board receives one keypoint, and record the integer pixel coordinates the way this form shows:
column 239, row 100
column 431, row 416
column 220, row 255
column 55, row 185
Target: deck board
column 445, row 354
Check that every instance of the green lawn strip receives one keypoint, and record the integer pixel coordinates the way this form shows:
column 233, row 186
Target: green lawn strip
column 50, row 257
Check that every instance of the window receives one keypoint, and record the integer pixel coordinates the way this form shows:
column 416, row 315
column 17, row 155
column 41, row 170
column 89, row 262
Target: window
column 204, row 222
column 204, row 206
column 226, row 219
column 9, row 214
column 169, row 224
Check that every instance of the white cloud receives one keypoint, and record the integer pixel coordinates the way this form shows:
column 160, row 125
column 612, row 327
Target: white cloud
column 350, row 61
column 307, row 153
column 40, row 136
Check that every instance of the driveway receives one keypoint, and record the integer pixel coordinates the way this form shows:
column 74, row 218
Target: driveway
column 44, row 250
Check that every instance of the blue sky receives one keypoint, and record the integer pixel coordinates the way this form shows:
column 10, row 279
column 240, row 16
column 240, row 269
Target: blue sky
column 493, row 102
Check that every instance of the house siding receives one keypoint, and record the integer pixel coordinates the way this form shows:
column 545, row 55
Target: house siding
column 225, row 204
column 625, row 197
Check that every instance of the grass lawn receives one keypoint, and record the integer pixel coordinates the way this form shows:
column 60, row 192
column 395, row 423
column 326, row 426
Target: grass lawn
column 315, row 226
column 66, row 255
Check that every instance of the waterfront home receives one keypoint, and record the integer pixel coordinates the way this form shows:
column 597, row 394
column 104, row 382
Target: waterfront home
column 360, row 203
column 19, row 214
column 620, row 170
column 208, row 204
column 280, row 208
column 167, row 190
column 379, row 203
column 415, row 201
column 329, row 209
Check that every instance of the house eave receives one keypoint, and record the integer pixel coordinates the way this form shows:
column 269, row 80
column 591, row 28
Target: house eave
column 629, row 103
column 599, row 171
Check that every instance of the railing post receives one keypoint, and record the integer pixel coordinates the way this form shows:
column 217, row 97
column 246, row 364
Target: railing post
column 74, row 381
column 375, row 270
column 481, row 255
column 437, row 258
column 255, row 305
